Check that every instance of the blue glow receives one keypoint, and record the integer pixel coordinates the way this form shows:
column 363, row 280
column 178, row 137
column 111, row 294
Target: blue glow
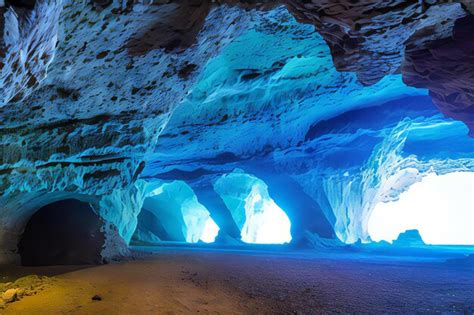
column 258, row 217
column 279, row 82
column 266, row 223
column 174, row 207
column 273, row 97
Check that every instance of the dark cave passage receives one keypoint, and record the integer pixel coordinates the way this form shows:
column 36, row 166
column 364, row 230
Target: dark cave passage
column 28, row 4
column 66, row 232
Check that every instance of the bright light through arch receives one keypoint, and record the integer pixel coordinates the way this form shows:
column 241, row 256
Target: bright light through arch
column 266, row 223
column 258, row 217
column 210, row 231
column 441, row 207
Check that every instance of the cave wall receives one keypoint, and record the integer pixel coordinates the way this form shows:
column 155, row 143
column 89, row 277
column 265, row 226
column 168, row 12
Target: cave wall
column 85, row 127
column 438, row 68
column 98, row 94
column 289, row 113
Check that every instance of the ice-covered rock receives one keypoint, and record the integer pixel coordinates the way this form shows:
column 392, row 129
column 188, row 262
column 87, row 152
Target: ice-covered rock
column 288, row 117
column 103, row 101
column 85, row 129
column 257, row 216
column 409, row 238
column 171, row 212
column 28, row 41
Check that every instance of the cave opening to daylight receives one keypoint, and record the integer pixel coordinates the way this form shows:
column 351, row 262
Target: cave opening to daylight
column 440, row 207
column 172, row 213
column 259, row 218
column 66, row 232
column 236, row 157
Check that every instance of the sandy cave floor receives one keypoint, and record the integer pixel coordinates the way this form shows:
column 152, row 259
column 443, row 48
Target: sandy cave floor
column 233, row 282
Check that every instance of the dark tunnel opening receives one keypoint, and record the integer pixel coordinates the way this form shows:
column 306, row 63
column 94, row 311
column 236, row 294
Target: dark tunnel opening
column 67, row 232
column 27, row 4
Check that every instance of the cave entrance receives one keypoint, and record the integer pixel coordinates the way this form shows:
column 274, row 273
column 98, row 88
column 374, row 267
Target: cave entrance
column 440, row 207
column 172, row 213
column 67, row 232
column 259, row 218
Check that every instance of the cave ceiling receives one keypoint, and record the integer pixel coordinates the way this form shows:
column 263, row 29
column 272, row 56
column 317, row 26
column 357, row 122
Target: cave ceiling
column 97, row 95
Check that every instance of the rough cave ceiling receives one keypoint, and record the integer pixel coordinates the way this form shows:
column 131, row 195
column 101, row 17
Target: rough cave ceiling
column 320, row 99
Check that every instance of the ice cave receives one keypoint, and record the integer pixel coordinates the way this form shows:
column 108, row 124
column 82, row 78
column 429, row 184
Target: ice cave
column 257, row 216
column 236, row 157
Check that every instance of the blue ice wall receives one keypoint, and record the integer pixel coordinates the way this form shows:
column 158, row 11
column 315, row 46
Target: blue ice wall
column 257, row 216
column 171, row 212
column 266, row 89
column 273, row 105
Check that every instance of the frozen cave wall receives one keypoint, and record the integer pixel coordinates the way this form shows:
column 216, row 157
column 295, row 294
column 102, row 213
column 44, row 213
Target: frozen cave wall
column 84, row 128
column 273, row 104
column 257, row 216
column 308, row 96
column 171, row 212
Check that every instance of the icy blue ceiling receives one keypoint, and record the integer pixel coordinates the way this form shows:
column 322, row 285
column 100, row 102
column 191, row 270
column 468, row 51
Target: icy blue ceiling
column 106, row 102
column 273, row 104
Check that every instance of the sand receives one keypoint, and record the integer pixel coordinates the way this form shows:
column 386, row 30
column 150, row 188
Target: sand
column 191, row 282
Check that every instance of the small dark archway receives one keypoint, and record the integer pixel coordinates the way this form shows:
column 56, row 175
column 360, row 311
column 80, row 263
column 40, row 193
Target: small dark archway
column 27, row 4
column 67, row 232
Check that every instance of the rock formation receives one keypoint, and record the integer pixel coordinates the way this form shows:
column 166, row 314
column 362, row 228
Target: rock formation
column 101, row 99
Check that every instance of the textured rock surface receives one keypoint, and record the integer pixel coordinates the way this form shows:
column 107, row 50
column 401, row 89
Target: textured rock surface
column 289, row 112
column 96, row 94
column 27, row 47
column 26, row 286
column 369, row 37
column 446, row 68
column 86, row 128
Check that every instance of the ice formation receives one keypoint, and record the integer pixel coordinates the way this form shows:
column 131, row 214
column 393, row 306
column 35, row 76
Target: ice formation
column 257, row 216
column 172, row 213
column 144, row 109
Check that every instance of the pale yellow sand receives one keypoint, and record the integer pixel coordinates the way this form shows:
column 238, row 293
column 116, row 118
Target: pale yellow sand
column 200, row 282
column 139, row 287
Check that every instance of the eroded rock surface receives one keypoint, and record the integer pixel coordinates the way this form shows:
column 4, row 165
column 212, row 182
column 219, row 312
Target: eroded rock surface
column 446, row 68
column 369, row 37
column 86, row 128
column 288, row 113
column 97, row 95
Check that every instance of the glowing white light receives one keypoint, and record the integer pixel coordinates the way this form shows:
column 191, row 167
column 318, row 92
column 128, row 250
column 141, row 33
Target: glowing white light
column 258, row 217
column 210, row 231
column 440, row 207
column 266, row 223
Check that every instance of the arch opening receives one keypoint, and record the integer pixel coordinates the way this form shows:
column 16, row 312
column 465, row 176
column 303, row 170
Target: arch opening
column 66, row 232
column 172, row 213
column 440, row 207
column 259, row 218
